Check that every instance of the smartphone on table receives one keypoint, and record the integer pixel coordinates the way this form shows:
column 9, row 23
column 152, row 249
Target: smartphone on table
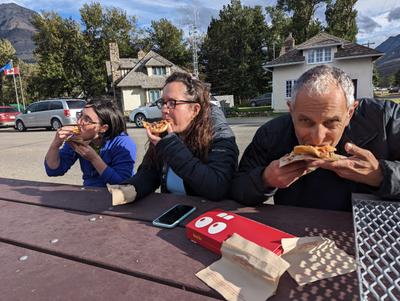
column 173, row 216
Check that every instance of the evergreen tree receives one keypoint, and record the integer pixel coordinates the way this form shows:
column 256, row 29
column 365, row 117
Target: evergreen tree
column 279, row 29
column 341, row 19
column 101, row 28
column 7, row 52
column 58, row 45
column 232, row 51
column 167, row 40
column 303, row 25
column 376, row 80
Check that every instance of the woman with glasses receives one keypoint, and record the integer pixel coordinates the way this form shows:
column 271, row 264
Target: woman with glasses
column 105, row 151
column 198, row 153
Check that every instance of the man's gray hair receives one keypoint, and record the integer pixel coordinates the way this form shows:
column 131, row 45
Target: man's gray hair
column 318, row 78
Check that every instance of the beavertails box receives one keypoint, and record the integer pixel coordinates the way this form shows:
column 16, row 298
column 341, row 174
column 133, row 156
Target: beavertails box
column 212, row 228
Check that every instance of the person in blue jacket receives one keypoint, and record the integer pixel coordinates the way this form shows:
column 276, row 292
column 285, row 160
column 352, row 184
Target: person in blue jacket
column 105, row 151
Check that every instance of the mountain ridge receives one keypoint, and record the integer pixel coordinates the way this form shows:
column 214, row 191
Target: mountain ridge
column 390, row 62
column 15, row 26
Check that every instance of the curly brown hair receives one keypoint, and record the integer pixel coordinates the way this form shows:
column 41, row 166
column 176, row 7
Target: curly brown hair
column 198, row 135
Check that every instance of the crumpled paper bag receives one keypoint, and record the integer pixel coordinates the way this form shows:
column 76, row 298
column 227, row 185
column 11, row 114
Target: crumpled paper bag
column 315, row 258
column 122, row 194
column 245, row 271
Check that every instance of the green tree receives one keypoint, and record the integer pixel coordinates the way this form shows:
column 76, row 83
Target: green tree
column 58, row 49
column 7, row 52
column 376, row 80
column 167, row 40
column 303, row 25
column 341, row 19
column 232, row 51
column 397, row 78
column 279, row 29
column 100, row 28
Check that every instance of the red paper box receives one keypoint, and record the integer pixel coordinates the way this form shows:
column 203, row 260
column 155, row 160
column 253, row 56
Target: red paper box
column 212, row 228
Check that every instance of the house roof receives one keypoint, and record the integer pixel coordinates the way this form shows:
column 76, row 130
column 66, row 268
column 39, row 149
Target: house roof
column 352, row 49
column 138, row 77
column 320, row 40
column 153, row 62
column 346, row 49
column 124, row 63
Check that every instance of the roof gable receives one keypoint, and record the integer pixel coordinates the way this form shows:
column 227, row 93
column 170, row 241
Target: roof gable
column 320, row 40
column 345, row 49
column 138, row 76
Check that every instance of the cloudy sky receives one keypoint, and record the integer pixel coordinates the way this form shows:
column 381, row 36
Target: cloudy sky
column 377, row 19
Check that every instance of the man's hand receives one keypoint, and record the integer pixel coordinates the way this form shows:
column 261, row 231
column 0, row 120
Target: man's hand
column 361, row 167
column 282, row 177
column 154, row 138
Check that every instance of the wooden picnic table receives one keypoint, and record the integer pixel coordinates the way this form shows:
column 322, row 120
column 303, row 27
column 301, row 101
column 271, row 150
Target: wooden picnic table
column 67, row 242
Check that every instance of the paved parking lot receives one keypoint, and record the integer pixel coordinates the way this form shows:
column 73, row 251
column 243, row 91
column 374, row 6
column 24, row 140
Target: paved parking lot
column 22, row 154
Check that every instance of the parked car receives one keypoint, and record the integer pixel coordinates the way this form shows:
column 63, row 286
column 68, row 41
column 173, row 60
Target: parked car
column 262, row 100
column 7, row 115
column 149, row 112
column 394, row 90
column 49, row 114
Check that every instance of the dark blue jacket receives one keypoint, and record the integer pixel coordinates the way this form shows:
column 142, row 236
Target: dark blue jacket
column 210, row 180
column 119, row 154
column 374, row 126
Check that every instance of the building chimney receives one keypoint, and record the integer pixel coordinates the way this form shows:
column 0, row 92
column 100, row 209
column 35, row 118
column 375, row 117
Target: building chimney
column 141, row 54
column 288, row 45
column 114, row 62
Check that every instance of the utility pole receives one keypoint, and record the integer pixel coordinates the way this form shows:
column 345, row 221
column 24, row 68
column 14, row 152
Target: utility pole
column 193, row 36
column 368, row 43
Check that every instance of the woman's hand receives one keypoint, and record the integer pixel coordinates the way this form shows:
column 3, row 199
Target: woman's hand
column 154, row 138
column 85, row 151
column 61, row 135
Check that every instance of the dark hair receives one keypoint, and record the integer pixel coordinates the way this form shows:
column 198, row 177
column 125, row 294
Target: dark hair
column 108, row 114
column 198, row 136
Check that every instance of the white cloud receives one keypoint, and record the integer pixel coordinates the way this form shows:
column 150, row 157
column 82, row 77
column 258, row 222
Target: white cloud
column 179, row 11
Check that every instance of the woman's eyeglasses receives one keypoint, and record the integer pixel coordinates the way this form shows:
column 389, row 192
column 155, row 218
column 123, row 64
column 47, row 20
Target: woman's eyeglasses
column 84, row 119
column 172, row 103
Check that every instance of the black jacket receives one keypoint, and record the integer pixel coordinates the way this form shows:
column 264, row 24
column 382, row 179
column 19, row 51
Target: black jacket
column 374, row 126
column 209, row 180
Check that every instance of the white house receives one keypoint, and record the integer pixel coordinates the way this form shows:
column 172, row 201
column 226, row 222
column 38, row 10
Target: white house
column 354, row 59
column 138, row 81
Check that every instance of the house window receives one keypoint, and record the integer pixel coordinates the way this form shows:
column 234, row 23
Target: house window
column 154, row 95
column 289, row 88
column 319, row 55
column 159, row 71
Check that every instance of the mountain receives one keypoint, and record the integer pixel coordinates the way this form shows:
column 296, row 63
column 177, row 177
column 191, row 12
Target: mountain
column 390, row 62
column 15, row 26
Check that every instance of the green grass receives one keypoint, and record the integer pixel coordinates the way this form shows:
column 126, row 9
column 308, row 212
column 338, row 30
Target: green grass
column 254, row 109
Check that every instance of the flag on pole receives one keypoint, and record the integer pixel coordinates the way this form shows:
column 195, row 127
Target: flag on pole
column 11, row 71
column 7, row 66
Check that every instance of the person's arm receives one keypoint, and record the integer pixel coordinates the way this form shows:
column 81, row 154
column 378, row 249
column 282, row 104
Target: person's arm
column 146, row 180
column 390, row 166
column 247, row 186
column 59, row 161
column 210, row 180
column 121, row 166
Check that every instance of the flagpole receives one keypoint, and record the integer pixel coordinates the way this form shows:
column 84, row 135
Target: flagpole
column 22, row 92
column 15, row 85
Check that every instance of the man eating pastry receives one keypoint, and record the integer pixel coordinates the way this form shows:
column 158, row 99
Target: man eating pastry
column 323, row 112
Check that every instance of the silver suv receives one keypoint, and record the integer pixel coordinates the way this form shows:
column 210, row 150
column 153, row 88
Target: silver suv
column 149, row 112
column 50, row 114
